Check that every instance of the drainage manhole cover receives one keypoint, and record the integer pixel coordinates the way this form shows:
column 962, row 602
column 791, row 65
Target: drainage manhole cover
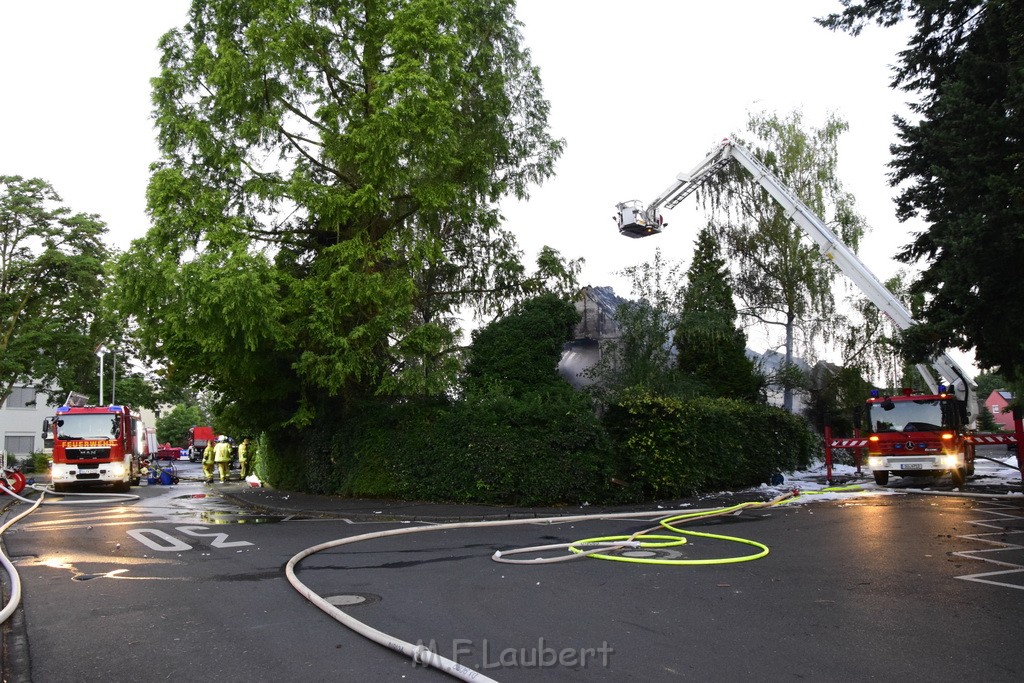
column 350, row 599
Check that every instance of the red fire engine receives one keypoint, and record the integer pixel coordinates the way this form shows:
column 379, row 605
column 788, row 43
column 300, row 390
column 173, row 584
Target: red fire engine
column 919, row 434
column 96, row 445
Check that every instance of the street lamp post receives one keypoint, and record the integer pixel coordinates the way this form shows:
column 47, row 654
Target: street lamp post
column 101, row 351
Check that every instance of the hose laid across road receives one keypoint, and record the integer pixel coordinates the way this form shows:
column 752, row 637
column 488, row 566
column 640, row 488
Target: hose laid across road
column 420, row 654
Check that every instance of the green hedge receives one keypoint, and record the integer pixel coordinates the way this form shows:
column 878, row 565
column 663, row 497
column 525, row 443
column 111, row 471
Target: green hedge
column 669, row 448
column 494, row 449
column 542, row 449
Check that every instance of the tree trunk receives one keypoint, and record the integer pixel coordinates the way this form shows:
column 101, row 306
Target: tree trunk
column 787, row 388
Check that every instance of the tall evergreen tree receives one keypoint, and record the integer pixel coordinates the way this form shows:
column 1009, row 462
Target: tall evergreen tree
column 960, row 166
column 711, row 348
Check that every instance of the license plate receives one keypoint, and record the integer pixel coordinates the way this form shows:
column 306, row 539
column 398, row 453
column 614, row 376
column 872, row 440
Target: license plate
column 911, row 466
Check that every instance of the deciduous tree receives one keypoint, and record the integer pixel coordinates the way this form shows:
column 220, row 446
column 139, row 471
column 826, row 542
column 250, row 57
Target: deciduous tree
column 51, row 285
column 326, row 199
column 641, row 357
column 780, row 276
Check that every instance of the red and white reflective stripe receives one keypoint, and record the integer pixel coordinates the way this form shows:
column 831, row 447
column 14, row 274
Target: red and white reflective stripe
column 992, row 438
column 849, row 443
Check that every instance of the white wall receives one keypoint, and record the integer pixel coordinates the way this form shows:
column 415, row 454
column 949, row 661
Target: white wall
column 24, row 422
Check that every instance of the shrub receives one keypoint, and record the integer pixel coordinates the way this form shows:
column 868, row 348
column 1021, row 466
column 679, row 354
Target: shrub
column 489, row 448
column 670, row 448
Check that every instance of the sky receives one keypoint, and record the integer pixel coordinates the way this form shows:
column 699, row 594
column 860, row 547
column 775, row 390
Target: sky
column 640, row 91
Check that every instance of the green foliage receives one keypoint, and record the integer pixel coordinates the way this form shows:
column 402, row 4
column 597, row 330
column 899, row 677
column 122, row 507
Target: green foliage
column 518, row 435
column 521, row 351
column 988, row 382
column 173, row 427
column 986, row 421
column 40, row 462
column 711, row 348
column 544, row 448
column 958, row 166
column 327, row 198
column 492, row 448
column 669, row 448
column 835, row 395
column 134, row 390
column 642, row 355
column 869, row 342
column 780, row 276
column 51, row 285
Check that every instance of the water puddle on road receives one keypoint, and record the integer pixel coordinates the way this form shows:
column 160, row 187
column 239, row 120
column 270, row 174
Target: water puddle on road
column 210, row 508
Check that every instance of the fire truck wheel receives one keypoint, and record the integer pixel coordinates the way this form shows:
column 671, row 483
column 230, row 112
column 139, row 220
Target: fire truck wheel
column 959, row 477
column 881, row 477
column 122, row 487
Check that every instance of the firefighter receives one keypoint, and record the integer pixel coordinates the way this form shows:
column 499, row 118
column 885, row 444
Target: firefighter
column 208, row 461
column 243, row 459
column 222, row 456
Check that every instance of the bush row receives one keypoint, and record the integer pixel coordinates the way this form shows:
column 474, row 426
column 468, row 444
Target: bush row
column 542, row 449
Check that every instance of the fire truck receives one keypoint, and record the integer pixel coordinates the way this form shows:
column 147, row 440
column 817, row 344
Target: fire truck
column 909, row 434
column 197, row 439
column 915, row 434
column 94, row 445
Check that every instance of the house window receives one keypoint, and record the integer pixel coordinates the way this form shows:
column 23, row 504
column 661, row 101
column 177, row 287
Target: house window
column 995, row 410
column 21, row 397
column 19, row 444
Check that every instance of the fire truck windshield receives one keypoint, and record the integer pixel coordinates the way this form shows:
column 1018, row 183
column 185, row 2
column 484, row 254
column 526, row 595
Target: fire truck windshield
column 907, row 416
column 96, row 426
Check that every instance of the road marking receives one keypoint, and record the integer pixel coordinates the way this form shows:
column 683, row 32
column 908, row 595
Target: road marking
column 988, row 554
column 173, row 544
column 220, row 539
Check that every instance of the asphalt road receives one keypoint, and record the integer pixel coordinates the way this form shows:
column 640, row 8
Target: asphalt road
column 183, row 585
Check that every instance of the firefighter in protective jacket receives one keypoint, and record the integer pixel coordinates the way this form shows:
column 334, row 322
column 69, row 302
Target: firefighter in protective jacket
column 208, row 462
column 222, row 456
column 243, row 459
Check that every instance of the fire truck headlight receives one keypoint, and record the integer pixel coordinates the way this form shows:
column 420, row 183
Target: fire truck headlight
column 949, row 461
column 117, row 469
column 874, row 463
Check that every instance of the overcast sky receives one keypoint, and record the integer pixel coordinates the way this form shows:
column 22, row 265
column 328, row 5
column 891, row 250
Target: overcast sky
column 640, row 91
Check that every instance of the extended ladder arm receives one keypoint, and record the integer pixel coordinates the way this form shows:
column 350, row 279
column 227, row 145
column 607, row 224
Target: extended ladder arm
column 829, row 244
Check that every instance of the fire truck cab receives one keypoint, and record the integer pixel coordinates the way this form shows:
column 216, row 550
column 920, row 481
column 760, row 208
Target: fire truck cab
column 919, row 435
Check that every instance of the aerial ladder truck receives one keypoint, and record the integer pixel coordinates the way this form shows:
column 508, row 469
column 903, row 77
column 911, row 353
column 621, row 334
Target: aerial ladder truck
column 908, row 434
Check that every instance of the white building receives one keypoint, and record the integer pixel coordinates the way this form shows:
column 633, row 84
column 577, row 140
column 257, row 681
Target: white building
column 21, row 420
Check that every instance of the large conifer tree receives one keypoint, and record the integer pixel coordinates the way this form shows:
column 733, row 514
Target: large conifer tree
column 711, row 347
column 960, row 166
